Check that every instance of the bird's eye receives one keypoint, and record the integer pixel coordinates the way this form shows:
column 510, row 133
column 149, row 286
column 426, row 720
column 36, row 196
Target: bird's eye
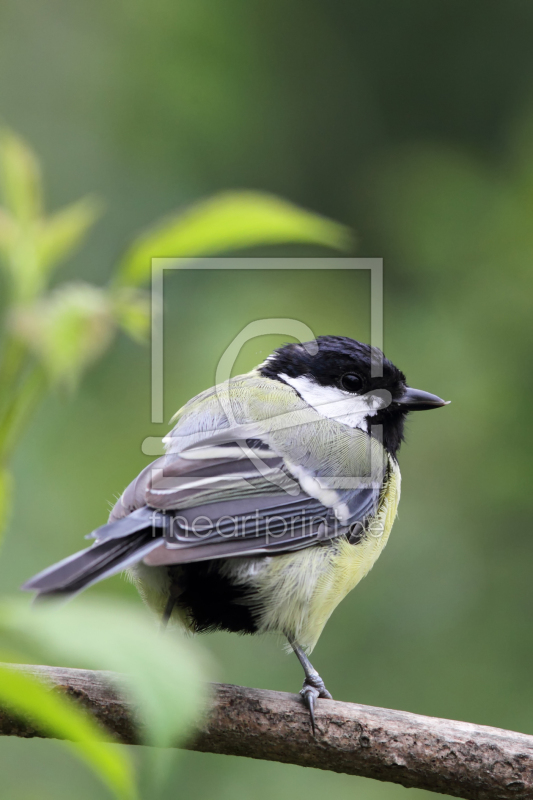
column 351, row 382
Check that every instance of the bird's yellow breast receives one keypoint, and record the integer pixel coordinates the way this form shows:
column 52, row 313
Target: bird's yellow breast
column 301, row 590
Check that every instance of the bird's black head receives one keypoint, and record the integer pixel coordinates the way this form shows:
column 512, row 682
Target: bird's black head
column 351, row 382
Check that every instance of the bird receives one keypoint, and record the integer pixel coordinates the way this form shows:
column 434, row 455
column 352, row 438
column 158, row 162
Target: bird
column 276, row 495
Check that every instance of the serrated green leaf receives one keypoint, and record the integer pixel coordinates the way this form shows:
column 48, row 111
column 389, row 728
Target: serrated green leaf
column 59, row 235
column 132, row 311
column 162, row 673
column 21, row 178
column 58, row 717
column 225, row 222
column 68, row 329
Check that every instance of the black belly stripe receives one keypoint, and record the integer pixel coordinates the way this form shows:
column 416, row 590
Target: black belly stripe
column 210, row 601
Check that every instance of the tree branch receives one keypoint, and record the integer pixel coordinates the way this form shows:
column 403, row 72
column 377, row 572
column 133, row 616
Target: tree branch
column 457, row 758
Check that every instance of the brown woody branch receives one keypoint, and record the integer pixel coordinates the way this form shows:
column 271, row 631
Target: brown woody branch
column 455, row 758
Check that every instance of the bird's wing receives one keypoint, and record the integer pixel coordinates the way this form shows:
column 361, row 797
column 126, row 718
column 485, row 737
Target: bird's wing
column 253, row 472
column 264, row 474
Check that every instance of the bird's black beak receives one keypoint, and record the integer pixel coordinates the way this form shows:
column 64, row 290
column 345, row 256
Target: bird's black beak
column 417, row 400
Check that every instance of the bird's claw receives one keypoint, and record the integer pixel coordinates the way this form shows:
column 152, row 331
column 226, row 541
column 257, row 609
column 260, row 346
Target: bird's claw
column 312, row 689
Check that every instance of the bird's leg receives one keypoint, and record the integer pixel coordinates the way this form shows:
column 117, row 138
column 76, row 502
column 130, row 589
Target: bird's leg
column 173, row 595
column 167, row 613
column 314, row 686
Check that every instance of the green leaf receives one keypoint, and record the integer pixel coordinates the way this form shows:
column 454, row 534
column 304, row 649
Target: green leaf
column 225, row 222
column 21, row 178
column 162, row 674
column 68, row 329
column 132, row 311
column 59, row 717
column 58, row 236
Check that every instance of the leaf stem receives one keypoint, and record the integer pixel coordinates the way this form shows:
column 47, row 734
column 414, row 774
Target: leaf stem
column 19, row 409
column 11, row 370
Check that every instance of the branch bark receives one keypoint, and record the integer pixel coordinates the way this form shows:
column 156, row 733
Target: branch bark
column 456, row 758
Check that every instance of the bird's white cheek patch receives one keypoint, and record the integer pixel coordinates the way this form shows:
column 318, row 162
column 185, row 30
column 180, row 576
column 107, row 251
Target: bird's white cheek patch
column 331, row 402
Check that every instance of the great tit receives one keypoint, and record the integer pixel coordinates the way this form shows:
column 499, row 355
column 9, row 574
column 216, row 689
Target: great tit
column 276, row 496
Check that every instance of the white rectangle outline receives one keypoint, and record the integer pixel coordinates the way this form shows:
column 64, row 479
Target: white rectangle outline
column 159, row 265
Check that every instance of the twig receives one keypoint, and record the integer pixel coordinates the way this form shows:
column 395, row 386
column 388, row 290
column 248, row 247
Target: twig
column 455, row 758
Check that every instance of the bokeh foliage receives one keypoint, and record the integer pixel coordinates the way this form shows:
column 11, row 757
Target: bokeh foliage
column 409, row 123
column 48, row 339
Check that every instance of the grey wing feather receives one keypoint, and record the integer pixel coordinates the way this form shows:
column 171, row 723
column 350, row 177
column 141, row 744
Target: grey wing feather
column 246, row 479
column 100, row 561
column 218, row 502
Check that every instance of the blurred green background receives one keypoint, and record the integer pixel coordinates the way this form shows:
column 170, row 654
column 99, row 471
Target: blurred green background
column 410, row 122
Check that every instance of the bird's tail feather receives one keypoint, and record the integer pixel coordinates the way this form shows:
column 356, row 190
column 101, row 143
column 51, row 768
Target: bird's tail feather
column 103, row 559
